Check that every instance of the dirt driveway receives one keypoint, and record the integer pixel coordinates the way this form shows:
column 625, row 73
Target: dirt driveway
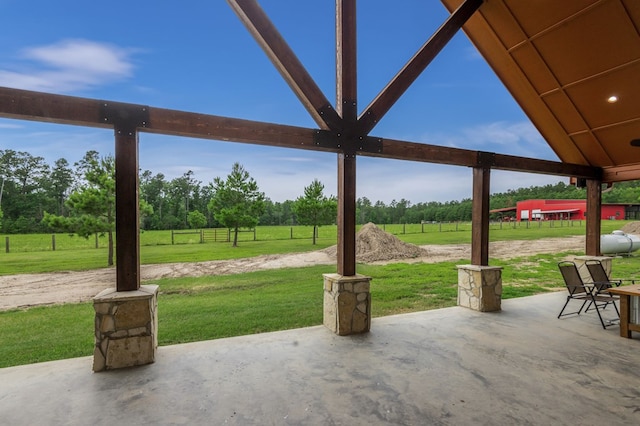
column 63, row 287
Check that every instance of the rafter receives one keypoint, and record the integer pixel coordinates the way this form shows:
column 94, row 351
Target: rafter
column 401, row 82
column 287, row 63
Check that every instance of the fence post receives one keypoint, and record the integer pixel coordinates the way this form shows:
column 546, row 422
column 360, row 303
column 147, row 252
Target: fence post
column 254, row 234
column 440, row 226
column 404, row 228
column 201, row 236
column 172, row 237
column 422, row 227
column 291, row 232
column 228, row 235
column 53, row 242
column 6, row 244
column 97, row 244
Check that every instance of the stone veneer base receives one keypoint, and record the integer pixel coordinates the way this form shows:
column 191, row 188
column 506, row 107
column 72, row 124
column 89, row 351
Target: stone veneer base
column 582, row 268
column 480, row 287
column 347, row 304
column 126, row 328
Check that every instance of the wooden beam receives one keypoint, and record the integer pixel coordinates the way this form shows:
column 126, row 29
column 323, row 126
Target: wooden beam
column 410, row 72
column 127, row 211
column 480, row 217
column 180, row 123
column 621, row 173
column 286, row 62
column 594, row 217
column 37, row 106
column 346, row 103
column 412, row 151
column 346, row 261
column 346, row 62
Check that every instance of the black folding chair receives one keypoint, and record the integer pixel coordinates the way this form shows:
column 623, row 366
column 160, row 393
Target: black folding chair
column 587, row 293
column 599, row 275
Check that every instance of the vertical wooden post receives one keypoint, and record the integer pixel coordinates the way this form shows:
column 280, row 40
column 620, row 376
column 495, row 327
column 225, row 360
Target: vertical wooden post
column 480, row 217
column 347, row 108
column 127, row 215
column 346, row 215
column 594, row 217
column 53, row 242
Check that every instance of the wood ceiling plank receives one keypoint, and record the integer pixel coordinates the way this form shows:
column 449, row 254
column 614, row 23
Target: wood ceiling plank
column 617, row 141
column 593, row 42
column 545, row 14
column 565, row 112
column 590, row 96
column 537, row 71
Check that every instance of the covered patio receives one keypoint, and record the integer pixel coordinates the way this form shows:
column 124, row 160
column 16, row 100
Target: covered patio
column 451, row 366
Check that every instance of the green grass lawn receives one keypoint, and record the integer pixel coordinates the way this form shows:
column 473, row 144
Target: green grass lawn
column 192, row 309
column 32, row 255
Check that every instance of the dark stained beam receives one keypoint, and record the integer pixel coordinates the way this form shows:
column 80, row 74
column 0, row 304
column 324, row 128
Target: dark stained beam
column 37, row 106
column 180, row 123
column 401, row 82
column 594, row 217
column 287, row 63
column 346, row 248
column 480, row 216
column 412, row 151
column 127, row 212
column 347, row 105
column 346, row 61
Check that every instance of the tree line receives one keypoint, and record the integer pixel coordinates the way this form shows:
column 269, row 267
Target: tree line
column 30, row 189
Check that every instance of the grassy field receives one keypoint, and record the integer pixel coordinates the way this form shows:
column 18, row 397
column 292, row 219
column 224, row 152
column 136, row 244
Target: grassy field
column 192, row 309
column 31, row 255
column 441, row 233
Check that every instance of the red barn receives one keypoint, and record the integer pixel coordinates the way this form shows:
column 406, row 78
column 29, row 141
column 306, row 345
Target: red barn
column 570, row 210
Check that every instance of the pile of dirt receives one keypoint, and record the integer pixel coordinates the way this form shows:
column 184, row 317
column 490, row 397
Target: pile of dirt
column 375, row 245
column 631, row 228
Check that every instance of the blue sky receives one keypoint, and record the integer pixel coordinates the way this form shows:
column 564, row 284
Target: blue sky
column 199, row 57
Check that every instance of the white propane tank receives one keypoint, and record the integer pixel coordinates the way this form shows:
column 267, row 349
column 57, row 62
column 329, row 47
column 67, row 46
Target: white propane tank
column 619, row 243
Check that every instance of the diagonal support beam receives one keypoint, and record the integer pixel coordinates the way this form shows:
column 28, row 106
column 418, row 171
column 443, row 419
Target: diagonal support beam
column 401, row 82
column 287, row 63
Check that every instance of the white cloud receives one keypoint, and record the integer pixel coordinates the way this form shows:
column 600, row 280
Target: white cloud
column 514, row 138
column 69, row 65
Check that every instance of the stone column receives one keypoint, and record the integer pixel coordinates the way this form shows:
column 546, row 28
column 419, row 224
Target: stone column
column 347, row 303
column 480, row 287
column 582, row 268
column 126, row 328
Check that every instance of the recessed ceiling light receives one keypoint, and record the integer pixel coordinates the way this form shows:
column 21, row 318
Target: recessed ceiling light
column 612, row 99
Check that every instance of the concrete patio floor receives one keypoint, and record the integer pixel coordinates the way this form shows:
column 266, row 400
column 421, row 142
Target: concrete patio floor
column 453, row 366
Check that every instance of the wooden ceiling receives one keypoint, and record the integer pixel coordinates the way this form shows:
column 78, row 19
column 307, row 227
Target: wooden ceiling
column 563, row 61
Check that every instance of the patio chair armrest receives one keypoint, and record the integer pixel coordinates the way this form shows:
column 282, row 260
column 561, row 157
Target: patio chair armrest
column 601, row 285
